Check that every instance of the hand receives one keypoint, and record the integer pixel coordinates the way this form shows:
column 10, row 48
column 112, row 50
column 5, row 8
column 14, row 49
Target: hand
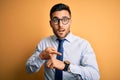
column 55, row 63
column 48, row 52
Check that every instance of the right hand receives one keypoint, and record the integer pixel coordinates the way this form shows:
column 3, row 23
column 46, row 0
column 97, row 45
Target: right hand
column 48, row 53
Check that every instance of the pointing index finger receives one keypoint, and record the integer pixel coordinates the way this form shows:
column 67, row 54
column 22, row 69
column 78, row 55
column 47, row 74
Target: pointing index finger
column 55, row 52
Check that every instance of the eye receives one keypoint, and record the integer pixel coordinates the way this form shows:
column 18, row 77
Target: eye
column 65, row 19
column 55, row 20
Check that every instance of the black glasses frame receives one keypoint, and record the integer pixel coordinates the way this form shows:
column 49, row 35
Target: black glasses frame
column 64, row 20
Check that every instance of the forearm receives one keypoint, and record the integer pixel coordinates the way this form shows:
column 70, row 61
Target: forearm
column 34, row 63
column 85, row 72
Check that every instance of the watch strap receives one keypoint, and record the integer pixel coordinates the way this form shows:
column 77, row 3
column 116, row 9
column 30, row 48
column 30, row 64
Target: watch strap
column 66, row 66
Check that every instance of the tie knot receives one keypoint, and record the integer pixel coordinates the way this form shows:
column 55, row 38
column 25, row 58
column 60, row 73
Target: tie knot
column 61, row 41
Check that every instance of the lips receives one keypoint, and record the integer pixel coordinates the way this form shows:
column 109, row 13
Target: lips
column 61, row 30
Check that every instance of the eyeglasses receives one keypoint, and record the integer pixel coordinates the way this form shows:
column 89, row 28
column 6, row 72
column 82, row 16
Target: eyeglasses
column 64, row 20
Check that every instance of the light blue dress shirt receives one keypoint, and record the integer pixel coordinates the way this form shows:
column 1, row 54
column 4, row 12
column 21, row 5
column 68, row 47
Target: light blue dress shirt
column 76, row 50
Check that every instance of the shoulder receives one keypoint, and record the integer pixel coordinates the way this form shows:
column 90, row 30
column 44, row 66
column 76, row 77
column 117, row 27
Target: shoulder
column 44, row 42
column 47, row 39
column 81, row 41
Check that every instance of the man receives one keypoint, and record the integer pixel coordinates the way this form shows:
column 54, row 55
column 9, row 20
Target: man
column 64, row 55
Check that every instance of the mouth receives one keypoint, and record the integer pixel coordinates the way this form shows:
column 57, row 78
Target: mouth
column 61, row 30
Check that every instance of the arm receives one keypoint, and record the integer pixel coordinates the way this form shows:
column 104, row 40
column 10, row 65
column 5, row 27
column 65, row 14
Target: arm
column 34, row 62
column 88, row 69
column 37, row 59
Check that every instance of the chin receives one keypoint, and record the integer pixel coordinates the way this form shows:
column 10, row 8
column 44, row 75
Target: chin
column 61, row 37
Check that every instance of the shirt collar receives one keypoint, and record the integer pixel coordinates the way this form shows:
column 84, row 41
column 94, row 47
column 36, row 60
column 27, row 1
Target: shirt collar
column 69, row 37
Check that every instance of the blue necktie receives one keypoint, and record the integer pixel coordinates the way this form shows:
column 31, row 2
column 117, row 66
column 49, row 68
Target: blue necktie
column 58, row 73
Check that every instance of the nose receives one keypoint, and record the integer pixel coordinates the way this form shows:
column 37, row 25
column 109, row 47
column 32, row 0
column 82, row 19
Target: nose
column 60, row 23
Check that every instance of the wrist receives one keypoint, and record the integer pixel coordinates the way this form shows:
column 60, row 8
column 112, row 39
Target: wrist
column 67, row 66
column 43, row 55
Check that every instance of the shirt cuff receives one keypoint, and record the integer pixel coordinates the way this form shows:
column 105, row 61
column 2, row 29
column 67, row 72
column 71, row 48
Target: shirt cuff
column 76, row 71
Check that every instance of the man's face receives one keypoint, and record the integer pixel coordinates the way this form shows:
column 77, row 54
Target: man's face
column 60, row 23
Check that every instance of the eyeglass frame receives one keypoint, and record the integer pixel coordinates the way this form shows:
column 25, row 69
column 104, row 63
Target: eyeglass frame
column 60, row 20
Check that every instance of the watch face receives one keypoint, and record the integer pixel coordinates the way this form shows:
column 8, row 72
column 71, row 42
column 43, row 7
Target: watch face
column 66, row 68
column 67, row 62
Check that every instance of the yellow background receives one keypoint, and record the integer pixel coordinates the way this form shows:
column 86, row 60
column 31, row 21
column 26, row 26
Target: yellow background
column 23, row 23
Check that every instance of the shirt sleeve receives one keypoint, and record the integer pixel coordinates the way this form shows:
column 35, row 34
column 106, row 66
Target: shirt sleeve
column 34, row 63
column 88, row 68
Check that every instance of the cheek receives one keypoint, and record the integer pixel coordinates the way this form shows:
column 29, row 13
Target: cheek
column 54, row 28
column 67, row 27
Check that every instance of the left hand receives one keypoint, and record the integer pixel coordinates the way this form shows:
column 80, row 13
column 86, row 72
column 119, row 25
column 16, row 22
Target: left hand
column 55, row 63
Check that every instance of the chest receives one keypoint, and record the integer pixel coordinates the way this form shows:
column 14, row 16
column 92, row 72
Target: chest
column 72, row 53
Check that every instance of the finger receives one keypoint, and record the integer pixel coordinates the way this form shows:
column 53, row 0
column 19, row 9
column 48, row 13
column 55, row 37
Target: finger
column 48, row 64
column 53, row 49
column 55, row 52
column 52, row 63
column 51, row 66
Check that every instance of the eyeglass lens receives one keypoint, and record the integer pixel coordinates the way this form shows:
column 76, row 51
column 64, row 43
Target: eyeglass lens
column 64, row 20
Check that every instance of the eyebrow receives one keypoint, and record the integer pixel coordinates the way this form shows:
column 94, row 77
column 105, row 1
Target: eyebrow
column 62, row 17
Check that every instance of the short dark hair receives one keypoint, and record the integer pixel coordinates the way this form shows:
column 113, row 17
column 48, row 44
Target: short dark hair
column 59, row 7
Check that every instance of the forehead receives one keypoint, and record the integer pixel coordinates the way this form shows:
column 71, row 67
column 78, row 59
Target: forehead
column 61, row 14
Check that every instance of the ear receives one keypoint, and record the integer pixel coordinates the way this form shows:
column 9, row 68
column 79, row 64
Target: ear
column 70, row 22
column 50, row 23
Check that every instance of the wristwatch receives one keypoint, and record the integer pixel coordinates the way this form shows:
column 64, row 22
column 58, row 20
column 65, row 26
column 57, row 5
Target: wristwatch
column 67, row 64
